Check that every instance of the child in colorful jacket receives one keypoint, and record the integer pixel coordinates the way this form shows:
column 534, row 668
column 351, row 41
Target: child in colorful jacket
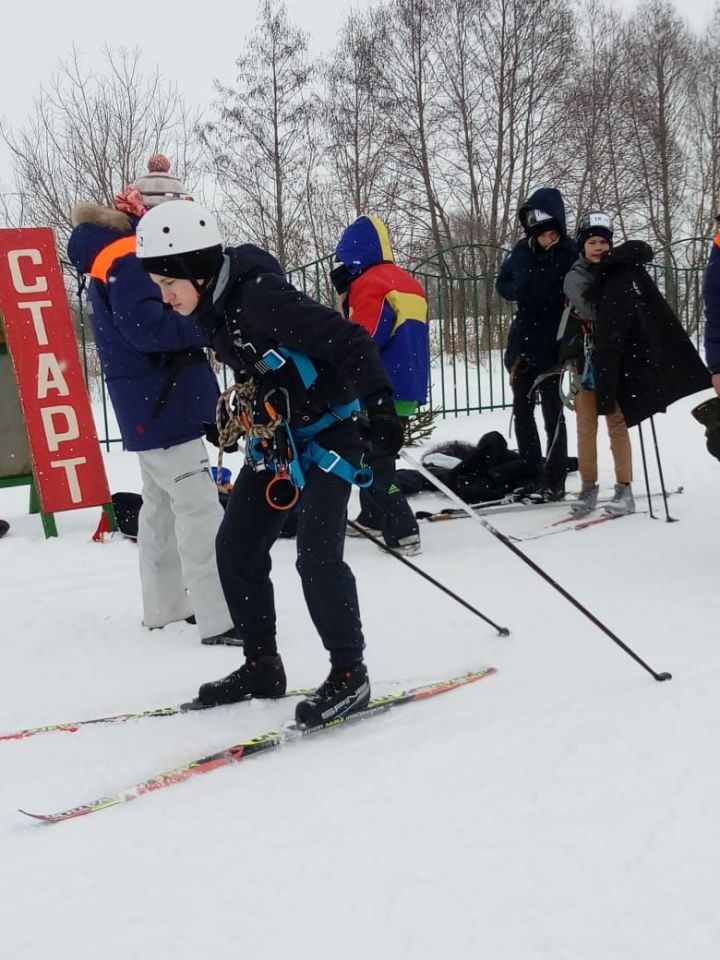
column 391, row 305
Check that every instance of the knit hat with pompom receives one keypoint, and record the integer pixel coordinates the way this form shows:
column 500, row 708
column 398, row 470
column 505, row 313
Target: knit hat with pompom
column 159, row 184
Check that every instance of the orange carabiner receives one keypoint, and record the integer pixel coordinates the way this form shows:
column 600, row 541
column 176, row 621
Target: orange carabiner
column 281, row 493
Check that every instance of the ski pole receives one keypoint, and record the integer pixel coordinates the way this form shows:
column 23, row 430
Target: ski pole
column 533, row 566
column 645, row 471
column 668, row 518
column 502, row 631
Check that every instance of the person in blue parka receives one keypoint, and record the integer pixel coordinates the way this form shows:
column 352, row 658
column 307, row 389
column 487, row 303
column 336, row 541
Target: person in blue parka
column 711, row 296
column 532, row 276
column 162, row 390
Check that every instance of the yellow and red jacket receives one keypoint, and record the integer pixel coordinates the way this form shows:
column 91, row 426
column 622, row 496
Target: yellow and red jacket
column 389, row 303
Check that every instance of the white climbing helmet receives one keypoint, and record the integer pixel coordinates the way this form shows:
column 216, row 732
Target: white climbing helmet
column 174, row 228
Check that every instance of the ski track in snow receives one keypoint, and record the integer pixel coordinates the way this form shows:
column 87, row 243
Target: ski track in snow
column 564, row 809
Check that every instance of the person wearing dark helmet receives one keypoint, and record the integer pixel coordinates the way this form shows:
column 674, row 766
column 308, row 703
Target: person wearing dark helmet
column 301, row 371
column 532, row 276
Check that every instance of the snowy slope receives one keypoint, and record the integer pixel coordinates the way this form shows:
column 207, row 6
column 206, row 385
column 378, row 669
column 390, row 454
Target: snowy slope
column 564, row 809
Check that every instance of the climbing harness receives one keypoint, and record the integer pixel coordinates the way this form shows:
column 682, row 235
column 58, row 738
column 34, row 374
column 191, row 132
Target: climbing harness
column 272, row 445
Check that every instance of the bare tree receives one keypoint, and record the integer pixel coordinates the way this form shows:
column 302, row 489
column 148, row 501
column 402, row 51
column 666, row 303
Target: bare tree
column 355, row 112
column 657, row 79
column 91, row 134
column 258, row 145
column 704, row 130
column 592, row 159
column 408, row 73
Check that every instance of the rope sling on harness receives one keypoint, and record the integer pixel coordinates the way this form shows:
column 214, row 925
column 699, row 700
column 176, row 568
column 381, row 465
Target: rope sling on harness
column 577, row 382
column 272, row 445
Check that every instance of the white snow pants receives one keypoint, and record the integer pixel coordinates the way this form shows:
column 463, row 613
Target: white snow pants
column 179, row 518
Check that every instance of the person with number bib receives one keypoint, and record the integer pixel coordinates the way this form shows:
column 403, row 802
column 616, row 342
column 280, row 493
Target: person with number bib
column 302, row 374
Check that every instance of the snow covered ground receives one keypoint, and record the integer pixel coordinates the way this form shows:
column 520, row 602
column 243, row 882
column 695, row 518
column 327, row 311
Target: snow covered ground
column 564, row 809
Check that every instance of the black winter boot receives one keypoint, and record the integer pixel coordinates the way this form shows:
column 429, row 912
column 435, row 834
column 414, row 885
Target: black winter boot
column 228, row 638
column 346, row 690
column 549, row 493
column 262, row 677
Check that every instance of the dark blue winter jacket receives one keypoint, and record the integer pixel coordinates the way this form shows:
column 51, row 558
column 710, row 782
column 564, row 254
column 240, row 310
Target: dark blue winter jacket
column 254, row 309
column 533, row 277
column 711, row 295
column 160, row 382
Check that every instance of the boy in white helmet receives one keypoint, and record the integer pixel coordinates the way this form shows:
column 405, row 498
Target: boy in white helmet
column 300, row 371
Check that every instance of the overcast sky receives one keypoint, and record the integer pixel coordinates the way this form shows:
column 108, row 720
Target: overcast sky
column 191, row 41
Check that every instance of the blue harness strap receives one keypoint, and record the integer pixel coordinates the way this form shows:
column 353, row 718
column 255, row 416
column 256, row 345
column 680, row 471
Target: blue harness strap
column 342, row 411
column 331, row 462
column 307, row 452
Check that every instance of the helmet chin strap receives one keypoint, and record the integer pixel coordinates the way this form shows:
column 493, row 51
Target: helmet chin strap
column 202, row 289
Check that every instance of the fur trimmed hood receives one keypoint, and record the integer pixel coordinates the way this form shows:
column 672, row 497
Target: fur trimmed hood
column 94, row 228
column 100, row 216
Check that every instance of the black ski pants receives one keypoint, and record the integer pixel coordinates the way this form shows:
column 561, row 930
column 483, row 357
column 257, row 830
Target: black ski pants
column 384, row 506
column 526, row 431
column 243, row 546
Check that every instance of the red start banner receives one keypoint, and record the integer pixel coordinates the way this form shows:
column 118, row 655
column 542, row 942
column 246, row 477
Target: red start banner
column 66, row 457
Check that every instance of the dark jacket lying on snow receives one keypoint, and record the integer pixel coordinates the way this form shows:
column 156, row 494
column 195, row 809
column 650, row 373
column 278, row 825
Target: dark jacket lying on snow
column 487, row 471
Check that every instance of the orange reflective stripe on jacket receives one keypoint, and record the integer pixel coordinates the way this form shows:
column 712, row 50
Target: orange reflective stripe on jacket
column 106, row 258
column 717, row 239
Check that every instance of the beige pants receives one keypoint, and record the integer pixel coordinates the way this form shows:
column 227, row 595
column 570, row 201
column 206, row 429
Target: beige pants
column 586, row 416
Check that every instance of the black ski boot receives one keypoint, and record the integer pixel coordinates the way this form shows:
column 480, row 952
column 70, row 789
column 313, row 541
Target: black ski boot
column 262, row 677
column 346, row 690
column 549, row 493
column 228, row 638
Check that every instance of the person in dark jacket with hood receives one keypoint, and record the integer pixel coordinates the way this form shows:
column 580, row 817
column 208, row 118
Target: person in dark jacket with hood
column 532, row 275
column 162, row 389
column 390, row 304
column 301, row 371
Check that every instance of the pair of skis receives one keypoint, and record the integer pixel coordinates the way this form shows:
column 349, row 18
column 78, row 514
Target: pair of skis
column 485, row 508
column 289, row 733
column 515, row 506
column 572, row 523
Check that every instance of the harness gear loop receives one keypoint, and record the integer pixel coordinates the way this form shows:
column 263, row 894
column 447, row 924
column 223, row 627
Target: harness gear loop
column 234, row 417
column 272, row 445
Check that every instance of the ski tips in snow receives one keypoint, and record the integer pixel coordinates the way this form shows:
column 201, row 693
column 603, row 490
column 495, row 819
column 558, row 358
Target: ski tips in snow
column 267, row 741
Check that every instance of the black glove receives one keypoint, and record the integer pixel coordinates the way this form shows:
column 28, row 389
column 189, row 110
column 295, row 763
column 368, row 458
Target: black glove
column 712, row 442
column 708, row 413
column 212, row 435
column 385, row 428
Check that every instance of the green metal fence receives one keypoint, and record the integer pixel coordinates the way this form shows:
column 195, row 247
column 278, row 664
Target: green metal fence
column 468, row 322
